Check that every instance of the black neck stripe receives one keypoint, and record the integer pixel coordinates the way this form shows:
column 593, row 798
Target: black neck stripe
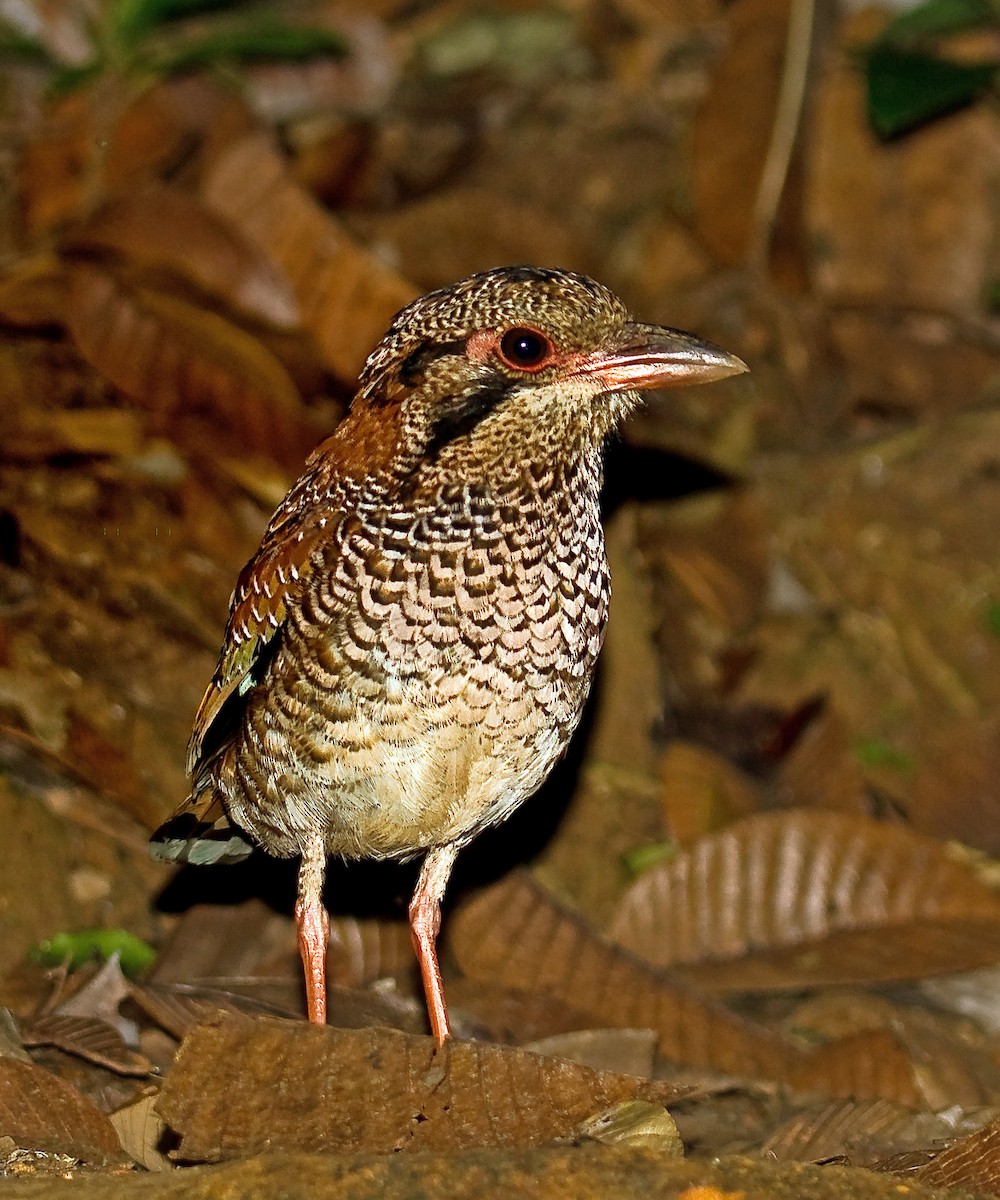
column 460, row 415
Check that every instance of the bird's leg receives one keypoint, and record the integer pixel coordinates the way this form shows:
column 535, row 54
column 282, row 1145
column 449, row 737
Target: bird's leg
column 425, row 921
column 313, row 926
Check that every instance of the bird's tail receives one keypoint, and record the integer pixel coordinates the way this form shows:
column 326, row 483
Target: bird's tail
column 200, row 831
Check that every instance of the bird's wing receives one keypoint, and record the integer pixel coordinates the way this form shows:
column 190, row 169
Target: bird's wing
column 268, row 585
column 200, row 831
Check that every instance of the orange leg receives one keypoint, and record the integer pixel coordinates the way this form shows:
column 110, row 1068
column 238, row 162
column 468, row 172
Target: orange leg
column 425, row 921
column 314, row 929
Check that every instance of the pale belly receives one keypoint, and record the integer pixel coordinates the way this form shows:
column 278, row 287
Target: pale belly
column 392, row 788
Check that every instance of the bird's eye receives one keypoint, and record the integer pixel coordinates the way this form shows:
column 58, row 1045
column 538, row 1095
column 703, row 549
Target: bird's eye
column 525, row 349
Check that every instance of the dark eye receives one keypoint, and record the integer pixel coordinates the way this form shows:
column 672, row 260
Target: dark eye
column 525, row 349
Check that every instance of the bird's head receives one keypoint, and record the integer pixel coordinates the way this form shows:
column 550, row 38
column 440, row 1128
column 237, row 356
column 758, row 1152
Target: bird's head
column 523, row 363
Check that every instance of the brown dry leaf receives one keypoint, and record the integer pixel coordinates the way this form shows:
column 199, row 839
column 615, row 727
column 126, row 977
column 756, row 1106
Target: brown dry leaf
column 800, row 898
column 183, row 361
column 498, row 1013
column 177, row 1008
column 890, row 540
column 711, row 564
column 33, row 292
column 862, row 1131
column 450, row 232
column 728, row 157
column 954, row 792
column 220, row 955
column 57, row 165
column 903, row 365
column 822, row 769
column 515, row 934
column 11, row 1045
column 703, row 792
column 868, row 1066
column 87, row 1038
column 36, row 895
column 214, row 944
column 107, row 768
column 365, row 949
column 40, row 1112
column 161, row 228
column 100, row 996
column 240, row 1086
column 346, row 295
column 973, row 1163
column 141, row 1131
column 625, row 1051
column 161, row 128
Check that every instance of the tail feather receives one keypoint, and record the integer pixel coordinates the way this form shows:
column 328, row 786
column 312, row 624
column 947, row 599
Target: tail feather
column 200, row 832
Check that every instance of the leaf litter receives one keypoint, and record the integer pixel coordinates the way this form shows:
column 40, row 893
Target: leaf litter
column 798, row 707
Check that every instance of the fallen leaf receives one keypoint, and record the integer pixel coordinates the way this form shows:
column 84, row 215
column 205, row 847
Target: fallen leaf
column 800, row 898
column 702, row 791
column 727, row 159
column 861, row 1131
column 972, row 1163
column 626, row 1051
column 87, row 1038
column 162, row 228
column 345, row 294
column 239, row 1086
column 141, row 1131
column 183, row 361
column 41, row 1112
column 515, row 934
column 366, row 949
column 634, row 1123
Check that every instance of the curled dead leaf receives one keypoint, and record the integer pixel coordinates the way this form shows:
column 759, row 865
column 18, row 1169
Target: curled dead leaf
column 40, row 1112
column 799, row 898
column 161, row 228
column 183, row 361
column 346, row 295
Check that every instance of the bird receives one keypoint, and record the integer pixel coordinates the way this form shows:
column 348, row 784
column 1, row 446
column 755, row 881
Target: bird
column 409, row 651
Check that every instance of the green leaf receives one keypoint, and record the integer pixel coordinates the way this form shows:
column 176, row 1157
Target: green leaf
column 993, row 607
column 22, row 47
column 643, row 857
column 907, row 89
column 134, row 954
column 130, row 20
column 267, row 39
column 936, row 17
column 68, row 79
column 874, row 752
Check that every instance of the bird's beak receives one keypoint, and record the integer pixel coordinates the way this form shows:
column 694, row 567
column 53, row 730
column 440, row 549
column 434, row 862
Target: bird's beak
column 650, row 356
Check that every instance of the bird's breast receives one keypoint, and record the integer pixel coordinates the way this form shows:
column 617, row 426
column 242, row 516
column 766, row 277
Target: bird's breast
column 429, row 680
